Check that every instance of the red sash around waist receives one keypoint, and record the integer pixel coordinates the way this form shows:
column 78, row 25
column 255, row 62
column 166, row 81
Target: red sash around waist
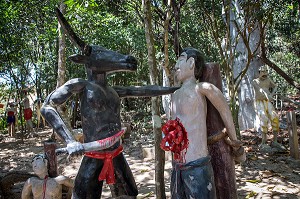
column 107, row 173
column 10, row 113
column 27, row 113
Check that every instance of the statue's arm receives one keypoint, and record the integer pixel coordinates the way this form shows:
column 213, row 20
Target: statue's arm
column 63, row 180
column 273, row 87
column 255, row 85
column 144, row 91
column 216, row 97
column 259, row 89
column 27, row 190
column 56, row 98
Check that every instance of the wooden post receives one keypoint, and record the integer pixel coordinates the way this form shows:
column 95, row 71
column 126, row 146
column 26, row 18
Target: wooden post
column 276, row 101
column 293, row 136
column 222, row 160
column 49, row 149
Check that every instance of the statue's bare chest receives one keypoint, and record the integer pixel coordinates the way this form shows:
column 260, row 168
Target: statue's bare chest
column 52, row 188
column 265, row 84
column 186, row 101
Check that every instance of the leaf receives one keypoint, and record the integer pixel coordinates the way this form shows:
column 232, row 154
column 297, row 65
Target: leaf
column 144, row 170
column 254, row 180
column 146, row 196
column 251, row 194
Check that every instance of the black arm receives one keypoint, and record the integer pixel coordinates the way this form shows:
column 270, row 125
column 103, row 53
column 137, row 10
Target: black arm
column 144, row 91
column 58, row 97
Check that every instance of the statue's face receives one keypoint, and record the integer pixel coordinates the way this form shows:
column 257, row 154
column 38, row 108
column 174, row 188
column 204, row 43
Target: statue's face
column 102, row 60
column 263, row 74
column 39, row 165
column 184, row 68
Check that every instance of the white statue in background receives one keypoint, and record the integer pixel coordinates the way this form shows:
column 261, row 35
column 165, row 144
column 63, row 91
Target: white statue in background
column 264, row 89
column 27, row 112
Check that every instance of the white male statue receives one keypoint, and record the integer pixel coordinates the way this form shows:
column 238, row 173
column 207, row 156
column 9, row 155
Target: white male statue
column 193, row 177
column 43, row 186
column 27, row 113
column 264, row 89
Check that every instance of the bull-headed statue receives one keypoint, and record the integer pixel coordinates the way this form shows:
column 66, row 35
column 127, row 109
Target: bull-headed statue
column 100, row 115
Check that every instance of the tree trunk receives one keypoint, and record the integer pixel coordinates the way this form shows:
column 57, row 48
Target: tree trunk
column 245, row 44
column 159, row 154
column 222, row 160
column 166, row 99
column 61, row 70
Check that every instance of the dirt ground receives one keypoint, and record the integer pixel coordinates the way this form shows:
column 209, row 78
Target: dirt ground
column 263, row 175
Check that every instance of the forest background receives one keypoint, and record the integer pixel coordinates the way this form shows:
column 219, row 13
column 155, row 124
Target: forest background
column 239, row 35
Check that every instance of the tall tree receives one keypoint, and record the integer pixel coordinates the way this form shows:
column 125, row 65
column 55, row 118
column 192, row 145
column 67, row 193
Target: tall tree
column 159, row 154
column 245, row 28
column 61, row 68
column 166, row 99
column 236, row 33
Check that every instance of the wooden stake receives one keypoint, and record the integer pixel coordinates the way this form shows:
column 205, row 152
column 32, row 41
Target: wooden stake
column 222, row 160
column 293, row 136
column 49, row 149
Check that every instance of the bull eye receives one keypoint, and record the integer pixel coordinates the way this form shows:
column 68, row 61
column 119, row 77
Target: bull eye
column 98, row 51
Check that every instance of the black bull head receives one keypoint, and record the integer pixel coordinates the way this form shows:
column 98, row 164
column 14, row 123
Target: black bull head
column 96, row 58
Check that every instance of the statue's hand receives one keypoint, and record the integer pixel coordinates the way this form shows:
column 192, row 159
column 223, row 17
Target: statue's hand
column 270, row 97
column 239, row 154
column 75, row 148
column 237, row 150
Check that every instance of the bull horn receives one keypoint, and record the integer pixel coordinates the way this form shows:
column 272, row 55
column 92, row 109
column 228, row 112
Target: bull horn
column 86, row 49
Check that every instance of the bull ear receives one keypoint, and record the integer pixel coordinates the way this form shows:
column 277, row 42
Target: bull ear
column 79, row 59
column 86, row 49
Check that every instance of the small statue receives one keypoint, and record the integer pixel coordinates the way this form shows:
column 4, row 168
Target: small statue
column 264, row 89
column 192, row 174
column 27, row 113
column 39, row 103
column 43, row 186
column 11, row 118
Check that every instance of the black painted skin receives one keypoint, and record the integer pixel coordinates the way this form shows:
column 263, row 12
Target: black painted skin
column 100, row 112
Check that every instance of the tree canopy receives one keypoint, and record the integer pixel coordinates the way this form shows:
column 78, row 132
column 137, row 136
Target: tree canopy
column 29, row 39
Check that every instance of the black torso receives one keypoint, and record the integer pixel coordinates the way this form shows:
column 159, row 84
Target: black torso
column 100, row 107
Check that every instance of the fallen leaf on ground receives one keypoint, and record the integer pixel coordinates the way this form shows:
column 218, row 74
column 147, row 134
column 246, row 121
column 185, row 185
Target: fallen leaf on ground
column 254, row 180
column 251, row 194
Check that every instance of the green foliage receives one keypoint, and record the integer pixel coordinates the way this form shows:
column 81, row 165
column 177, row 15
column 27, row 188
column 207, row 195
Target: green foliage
column 283, row 38
column 29, row 44
column 26, row 40
column 108, row 24
column 195, row 28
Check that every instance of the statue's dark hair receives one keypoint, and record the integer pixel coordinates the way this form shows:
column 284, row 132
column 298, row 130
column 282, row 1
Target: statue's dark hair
column 199, row 60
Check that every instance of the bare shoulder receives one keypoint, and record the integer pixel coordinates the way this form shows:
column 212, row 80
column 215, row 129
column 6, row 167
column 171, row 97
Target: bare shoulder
column 61, row 177
column 32, row 180
column 74, row 85
column 63, row 180
column 255, row 80
column 205, row 86
column 77, row 81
